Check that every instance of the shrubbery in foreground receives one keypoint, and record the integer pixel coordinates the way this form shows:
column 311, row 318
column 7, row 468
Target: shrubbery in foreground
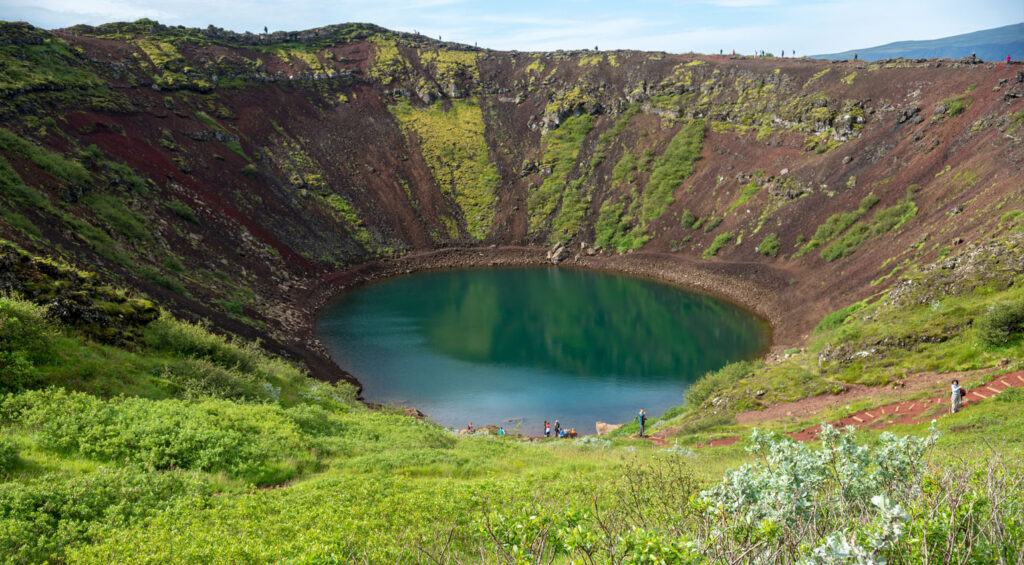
column 843, row 503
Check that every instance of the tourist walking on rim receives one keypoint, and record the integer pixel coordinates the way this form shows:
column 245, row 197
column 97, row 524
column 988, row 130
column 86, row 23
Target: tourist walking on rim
column 642, row 418
column 956, row 397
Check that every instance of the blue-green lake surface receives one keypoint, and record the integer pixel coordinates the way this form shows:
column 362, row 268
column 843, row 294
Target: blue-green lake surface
column 508, row 346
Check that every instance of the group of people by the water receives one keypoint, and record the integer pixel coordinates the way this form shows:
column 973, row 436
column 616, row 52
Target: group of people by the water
column 558, row 430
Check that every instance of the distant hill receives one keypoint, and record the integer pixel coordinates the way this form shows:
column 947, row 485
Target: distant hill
column 990, row 45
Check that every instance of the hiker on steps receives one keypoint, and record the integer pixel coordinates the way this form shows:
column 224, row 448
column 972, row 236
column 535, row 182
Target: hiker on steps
column 956, row 396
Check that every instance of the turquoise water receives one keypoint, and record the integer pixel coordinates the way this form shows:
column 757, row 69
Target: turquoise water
column 508, row 346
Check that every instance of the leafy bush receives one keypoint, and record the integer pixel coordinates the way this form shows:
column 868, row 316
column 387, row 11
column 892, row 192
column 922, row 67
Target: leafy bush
column 170, row 283
column 956, row 105
column 835, row 319
column 1001, row 323
column 126, row 222
column 847, row 244
column 41, row 519
column 8, row 455
column 717, row 244
column 259, row 444
column 836, row 224
column 769, row 246
column 711, row 224
column 711, row 382
column 25, row 343
column 687, row 219
column 182, row 210
column 196, row 340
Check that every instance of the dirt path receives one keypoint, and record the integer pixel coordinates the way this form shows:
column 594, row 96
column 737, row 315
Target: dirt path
column 899, row 412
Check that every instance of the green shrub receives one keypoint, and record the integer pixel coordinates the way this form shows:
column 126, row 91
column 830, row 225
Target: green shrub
column 25, row 343
column 711, row 224
column 675, row 164
column 54, row 163
column 19, row 222
column 12, row 185
column 836, row 319
column 183, row 211
column 836, row 224
column 769, row 246
column 170, row 283
column 956, row 105
column 195, row 340
column 126, row 222
column 256, row 443
column 250, row 171
column 1001, row 323
column 893, row 217
column 625, row 167
column 714, row 381
column 687, row 219
column 717, row 244
column 43, row 518
column 200, row 378
column 8, row 455
column 847, row 244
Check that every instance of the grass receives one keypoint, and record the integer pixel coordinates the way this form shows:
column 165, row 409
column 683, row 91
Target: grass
column 41, row 61
column 670, row 169
column 884, row 221
column 769, row 246
column 717, row 244
column 348, row 215
column 128, row 223
column 749, row 190
column 57, row 165
column 549, row 201
column 836, row 224
column 149, row 453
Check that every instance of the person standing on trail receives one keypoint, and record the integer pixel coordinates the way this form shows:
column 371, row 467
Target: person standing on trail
column 642, row 418
column 955, row 397
column 547, row 428
column 558, row 429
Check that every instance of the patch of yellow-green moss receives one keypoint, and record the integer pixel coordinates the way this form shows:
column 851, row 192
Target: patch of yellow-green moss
column 388, row 63
column 159, row 52
column 848, row 79
column 447, row 65
column 452, row 143
column 567, row 100
column 347, row 214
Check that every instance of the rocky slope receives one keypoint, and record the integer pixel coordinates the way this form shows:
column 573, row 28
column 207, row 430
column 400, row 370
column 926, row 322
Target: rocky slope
column 238, row 177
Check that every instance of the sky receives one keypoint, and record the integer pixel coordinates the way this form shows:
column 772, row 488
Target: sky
column 676, row 26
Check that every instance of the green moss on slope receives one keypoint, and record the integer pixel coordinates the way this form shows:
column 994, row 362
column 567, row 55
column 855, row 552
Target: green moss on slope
column 561, row 151
column 670, row 169
column 453, row 144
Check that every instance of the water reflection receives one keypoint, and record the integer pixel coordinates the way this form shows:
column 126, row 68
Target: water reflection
column 508, row 343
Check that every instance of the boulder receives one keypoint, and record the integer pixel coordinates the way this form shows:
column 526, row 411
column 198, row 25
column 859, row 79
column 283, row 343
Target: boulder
column 605, row 429
column 558, row 253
